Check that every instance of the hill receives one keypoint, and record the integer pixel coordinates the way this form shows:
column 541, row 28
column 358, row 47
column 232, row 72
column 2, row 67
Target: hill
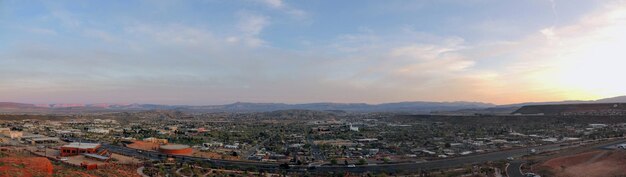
column 575, row 109
column 407, row 107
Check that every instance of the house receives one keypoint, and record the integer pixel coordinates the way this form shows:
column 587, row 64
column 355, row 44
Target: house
column 212, row 144
column 231, row 146
column 98, row 130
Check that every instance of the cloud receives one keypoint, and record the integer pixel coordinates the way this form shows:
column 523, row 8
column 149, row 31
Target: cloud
column 42, row 31
column 251, row 24
column 177, row 62
column 274, row 3
column 99, row 34
column 174, row 34
column 580, row 60
column 554, row 12
column 282, row 6
column 250, row 27
column 66, row 18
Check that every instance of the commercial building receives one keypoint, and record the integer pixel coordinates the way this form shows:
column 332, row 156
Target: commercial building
column 176, row 149
column 79, row 148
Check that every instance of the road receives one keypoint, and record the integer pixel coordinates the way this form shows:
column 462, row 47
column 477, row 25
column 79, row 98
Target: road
column 389, row 168
column 514, row 169
column 251, row 151
column 315, row 149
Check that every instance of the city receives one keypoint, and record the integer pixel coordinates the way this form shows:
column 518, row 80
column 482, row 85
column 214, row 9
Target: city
column 304, row 142
column 288, row 88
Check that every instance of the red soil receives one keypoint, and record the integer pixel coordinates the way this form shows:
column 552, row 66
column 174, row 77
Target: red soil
column 25, row 166
column 589, row 164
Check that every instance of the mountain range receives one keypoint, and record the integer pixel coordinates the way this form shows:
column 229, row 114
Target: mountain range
column 407, row 107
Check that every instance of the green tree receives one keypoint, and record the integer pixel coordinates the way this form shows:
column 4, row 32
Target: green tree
column 362, row 161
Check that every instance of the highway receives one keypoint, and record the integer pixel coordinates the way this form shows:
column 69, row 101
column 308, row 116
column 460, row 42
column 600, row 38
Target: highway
column 388, row 168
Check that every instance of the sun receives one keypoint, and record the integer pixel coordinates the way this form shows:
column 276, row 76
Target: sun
column 597, row 69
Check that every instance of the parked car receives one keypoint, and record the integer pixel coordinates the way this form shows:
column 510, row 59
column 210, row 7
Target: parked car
column 531, row 175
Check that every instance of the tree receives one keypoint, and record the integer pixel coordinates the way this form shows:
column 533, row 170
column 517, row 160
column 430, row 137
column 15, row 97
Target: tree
column 362, row 161
column 284, row 166
column 386, row 159
column 333, row 161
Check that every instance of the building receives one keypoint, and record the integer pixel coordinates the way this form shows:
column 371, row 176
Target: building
column 176, row 149
column 598, row 125
column 39, row 139
column 230, row 147
column 105, row 121
column 7, row 132
column 98, row 130
column 212, row 144
column 155, row 140
column 353, row 128
column 79, row 148
column 44, row 140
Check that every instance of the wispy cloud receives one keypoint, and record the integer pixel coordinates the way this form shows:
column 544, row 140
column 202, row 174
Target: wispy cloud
column 250, row 27
column 42, row 31
column 282, row 6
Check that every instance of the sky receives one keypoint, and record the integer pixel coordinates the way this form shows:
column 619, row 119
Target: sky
column 201, row 52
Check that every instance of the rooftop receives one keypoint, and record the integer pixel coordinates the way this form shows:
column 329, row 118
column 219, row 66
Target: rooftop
column 96, row 156
column 174, row 146
column 82, row 145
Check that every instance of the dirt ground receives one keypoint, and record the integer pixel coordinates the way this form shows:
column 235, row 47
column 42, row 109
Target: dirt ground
column 25, row 166
column 213, row 155
column 121, row 159
column 19, row 162
column 598, row 163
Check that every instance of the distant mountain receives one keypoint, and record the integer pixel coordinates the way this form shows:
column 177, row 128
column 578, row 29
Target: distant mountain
column 10, row 105
column 405, row 107
column 517, row 108
column 596, row 107
column 574, row 109
column 408, row 107
column 619, row 99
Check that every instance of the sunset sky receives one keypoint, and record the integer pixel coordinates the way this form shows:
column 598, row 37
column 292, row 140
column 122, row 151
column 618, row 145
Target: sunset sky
column 223, row 51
